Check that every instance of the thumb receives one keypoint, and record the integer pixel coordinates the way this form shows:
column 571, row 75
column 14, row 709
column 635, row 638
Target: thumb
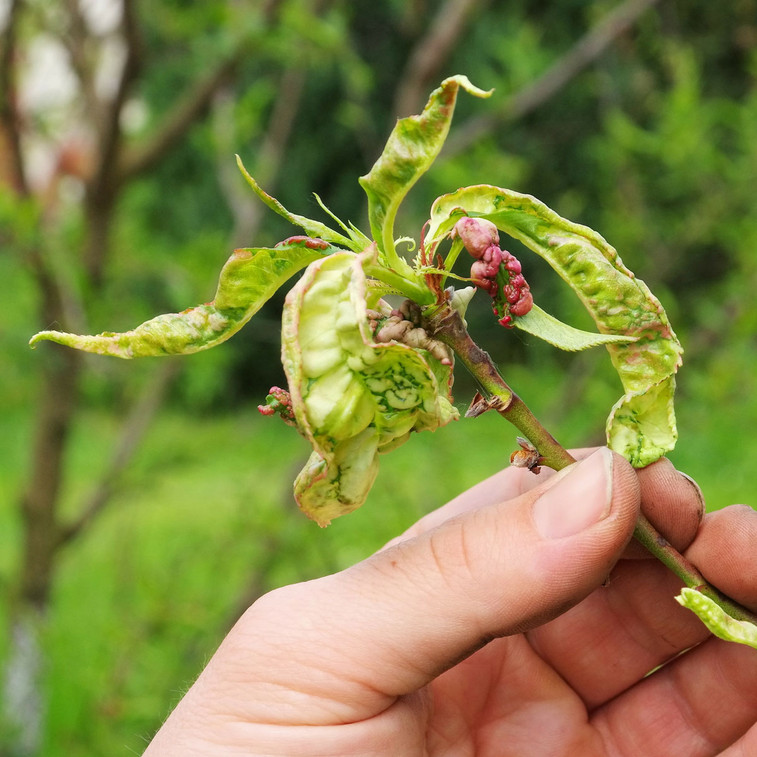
column 417, row 608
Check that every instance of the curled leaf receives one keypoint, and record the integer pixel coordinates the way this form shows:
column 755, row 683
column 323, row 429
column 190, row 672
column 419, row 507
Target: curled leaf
column 352, row 397
column 248, row 279
column 641, row 425
column 717, row 620
column 411, row 149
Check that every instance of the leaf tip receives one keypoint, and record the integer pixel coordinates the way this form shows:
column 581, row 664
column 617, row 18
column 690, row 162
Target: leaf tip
column 719, row 622
column 43, row 336
column 462, row 81
column 246, row 173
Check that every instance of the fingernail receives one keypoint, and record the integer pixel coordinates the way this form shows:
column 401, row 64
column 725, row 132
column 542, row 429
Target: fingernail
column 578, row 499
column 697, row 490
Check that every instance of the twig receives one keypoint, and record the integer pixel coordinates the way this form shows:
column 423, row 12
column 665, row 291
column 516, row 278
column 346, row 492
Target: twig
column 133, row 431
column 660, row 547
column 590, row 47
column 447, row 325
column 139, row 158
column 430, row 53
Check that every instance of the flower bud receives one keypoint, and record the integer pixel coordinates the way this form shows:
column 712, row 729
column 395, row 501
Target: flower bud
column 479, row 273
column 477, row 234
column 524, row 304
column 512, row 264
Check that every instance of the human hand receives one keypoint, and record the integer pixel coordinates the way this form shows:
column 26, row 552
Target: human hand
column 486, row 630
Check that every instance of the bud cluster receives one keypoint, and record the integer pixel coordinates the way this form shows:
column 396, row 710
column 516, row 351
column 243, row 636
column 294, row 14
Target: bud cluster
column 495, row 270
column 401, row 325
column 278, row 401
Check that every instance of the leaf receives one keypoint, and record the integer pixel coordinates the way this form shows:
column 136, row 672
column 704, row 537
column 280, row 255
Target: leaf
column 561, row 335
column 641, row 425
column 717, row 620
column 352, row 398
column 248, row 279
column 411, row 149
column 313, row 228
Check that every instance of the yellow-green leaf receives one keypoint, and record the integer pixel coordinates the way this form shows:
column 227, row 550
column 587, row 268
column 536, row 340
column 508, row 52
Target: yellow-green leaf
column 717, row 620
column 352, row 397
column 641, row 426
column 248, row 279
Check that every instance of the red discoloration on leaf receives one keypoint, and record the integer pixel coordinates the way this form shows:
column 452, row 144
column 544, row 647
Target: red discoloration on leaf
column 311, row 243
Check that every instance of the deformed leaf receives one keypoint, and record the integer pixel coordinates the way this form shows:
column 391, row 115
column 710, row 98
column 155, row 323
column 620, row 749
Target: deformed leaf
column 352, row 397
column 717, row 620
column 248, row 279
column 410, row 150
column 641, row 426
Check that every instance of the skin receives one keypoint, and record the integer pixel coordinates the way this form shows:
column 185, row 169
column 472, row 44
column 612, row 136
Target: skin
column 514, row 620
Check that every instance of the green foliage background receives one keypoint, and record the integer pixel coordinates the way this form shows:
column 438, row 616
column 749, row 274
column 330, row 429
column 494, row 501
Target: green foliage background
column 654, row 145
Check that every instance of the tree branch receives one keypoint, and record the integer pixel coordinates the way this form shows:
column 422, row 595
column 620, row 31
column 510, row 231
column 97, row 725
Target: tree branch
column 12, row 167
column 590, row 47
column 105, row 180
column 133, row 430
column 141, row 157
column 430, row 54
column 76, row 40
column 267, row 166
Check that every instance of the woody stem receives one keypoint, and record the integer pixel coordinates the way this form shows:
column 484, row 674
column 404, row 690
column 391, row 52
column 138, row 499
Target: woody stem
column 447, row 325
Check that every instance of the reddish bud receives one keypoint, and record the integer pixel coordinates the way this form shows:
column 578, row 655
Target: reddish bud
column 480, row 275
column 477, row 234
column 278, row 401
column 513, row 264
column 524, row 304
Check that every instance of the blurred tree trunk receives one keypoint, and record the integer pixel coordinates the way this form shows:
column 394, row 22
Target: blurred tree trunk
column 104, row 170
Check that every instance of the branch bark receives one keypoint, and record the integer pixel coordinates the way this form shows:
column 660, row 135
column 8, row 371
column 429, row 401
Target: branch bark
column 430, row 54
column 588, row 48
column 133, row 431
column 141, row 157
column 13, row 170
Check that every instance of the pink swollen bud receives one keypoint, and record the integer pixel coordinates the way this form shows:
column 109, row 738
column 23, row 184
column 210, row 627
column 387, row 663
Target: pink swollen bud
column 513, row 290
column 513, row 264
column 524, row 304
column 477, row 234
column 278, row 401
column 480, row 275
